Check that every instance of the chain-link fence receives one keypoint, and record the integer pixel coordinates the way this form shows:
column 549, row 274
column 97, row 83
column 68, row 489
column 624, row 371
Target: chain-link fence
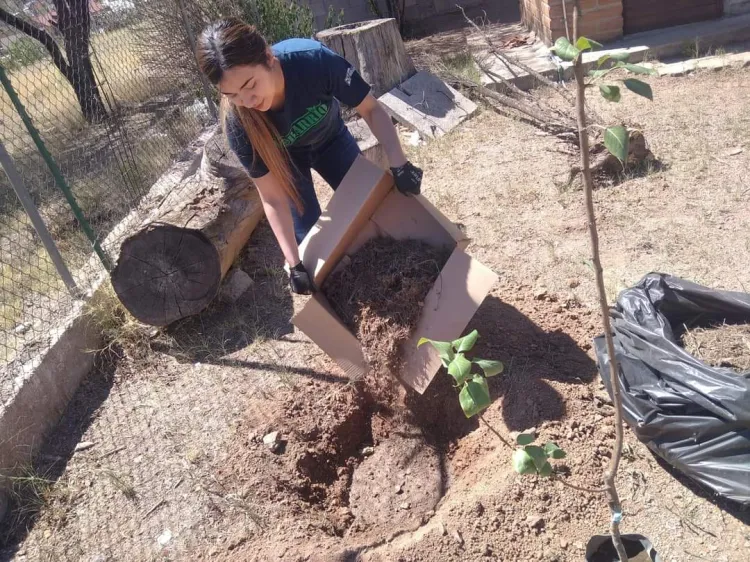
column 99, row 98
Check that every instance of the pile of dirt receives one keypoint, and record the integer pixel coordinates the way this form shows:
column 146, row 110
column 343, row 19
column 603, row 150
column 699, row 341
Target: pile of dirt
column 721, row 345
column 379, row 294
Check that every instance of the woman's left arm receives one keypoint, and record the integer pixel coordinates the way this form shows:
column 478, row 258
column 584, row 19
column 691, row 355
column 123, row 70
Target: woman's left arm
column 407, row 176
column 380, row 124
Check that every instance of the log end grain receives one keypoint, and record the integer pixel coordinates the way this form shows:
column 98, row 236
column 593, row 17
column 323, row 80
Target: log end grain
column 165, row 273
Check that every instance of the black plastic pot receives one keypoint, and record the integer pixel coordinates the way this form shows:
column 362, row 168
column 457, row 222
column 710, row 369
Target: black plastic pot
column 637, row 547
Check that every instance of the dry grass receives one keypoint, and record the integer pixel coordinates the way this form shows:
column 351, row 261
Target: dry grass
column 723, row 345
column 50, row 100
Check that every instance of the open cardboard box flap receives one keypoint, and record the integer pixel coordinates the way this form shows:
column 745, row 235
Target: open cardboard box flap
column 366, row 205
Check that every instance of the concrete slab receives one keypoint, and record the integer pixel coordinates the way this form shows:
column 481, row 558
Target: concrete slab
column 428, row 105
column 659, row 44
column 676, row 41
column 717, row 62
column 530, row 51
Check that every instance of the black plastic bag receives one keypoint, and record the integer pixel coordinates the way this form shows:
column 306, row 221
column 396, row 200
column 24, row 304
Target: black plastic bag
column 696, row 417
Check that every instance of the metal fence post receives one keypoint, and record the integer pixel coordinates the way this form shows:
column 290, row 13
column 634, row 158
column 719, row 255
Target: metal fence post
column 36, row 220
column 53, row 168
column 191, row 39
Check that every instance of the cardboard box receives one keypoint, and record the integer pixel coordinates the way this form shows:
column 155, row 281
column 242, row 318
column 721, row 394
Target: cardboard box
column 366, row 205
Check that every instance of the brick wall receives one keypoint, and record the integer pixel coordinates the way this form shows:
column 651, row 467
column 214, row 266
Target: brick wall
column 600, row 19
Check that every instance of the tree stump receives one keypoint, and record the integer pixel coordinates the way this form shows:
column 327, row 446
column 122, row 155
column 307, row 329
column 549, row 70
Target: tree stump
column 376, row 50
column 173, row 266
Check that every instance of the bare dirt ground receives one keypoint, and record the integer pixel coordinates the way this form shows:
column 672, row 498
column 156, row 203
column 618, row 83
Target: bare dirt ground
column 177, row 469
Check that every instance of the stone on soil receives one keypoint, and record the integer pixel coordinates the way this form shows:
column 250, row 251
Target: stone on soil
column 235, row 285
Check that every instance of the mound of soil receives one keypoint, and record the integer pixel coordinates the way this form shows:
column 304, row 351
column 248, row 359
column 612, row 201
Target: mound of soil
column 379, row 294
column 723, row 345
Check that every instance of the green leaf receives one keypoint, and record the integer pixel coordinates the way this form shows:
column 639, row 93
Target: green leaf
column 638, row 87
column 460, row 369
column 474, row 396
column 466, row 343
column 444, row 348
column 490, row 368
column 616, row 141
column 523, row 463
column 565, row 49
column 636, row 69
column 585, row 44
column 525, row 438
column 554, row 451
column 610, row 93
column 546, row 470
column 537, row 454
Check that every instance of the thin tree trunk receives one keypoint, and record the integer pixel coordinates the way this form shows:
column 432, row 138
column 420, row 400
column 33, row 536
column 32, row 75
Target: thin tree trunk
column 47, row 41
column 74, row 23
column 588, row 183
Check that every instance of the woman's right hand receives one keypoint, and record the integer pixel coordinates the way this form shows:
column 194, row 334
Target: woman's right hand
column 299, row 280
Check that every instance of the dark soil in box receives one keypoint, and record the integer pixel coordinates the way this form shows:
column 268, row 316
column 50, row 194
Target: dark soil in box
column 380, row 293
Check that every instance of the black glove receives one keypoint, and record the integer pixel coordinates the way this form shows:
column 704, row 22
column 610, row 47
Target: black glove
column 408, row 179
column 299, row 280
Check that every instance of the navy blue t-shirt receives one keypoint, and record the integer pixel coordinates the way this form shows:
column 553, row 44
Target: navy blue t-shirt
column 315, row 79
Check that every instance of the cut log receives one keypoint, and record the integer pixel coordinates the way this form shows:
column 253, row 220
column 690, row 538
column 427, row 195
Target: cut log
column 173, row 265
column 376, row 50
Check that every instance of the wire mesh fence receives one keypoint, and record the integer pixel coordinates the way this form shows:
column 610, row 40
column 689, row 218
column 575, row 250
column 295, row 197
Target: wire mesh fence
column 108, row 93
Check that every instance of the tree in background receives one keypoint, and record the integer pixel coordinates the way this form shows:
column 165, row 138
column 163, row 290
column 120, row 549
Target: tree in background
column 73, row 20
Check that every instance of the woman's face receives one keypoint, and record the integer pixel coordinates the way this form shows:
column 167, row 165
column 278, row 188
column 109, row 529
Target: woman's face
column 249, row 86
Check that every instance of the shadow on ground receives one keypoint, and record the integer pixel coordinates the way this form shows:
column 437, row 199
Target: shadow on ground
column 30, row 491
column 262, row 312
column 532, row 357
column 736, row 510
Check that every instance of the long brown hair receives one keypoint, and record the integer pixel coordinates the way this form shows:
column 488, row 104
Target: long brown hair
column 228, row 43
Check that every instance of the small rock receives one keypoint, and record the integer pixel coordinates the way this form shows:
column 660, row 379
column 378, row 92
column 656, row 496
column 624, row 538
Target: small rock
column 164, row 538
column 478, row 509
column 442, row 529
column 408, row 471
column 579, row 546
column 405, row 506
column 235, row 285
column 83, row 445
column 535, row 521
column 272, row 441
column 540, row 294
column 399, row 488
column 573, row 283
column 47, row 534
column 735, row 152
column 367, row 451
column 457, row 536
column 564, row 543
column 558, row 310
column 21, row 329
column 487, row 550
